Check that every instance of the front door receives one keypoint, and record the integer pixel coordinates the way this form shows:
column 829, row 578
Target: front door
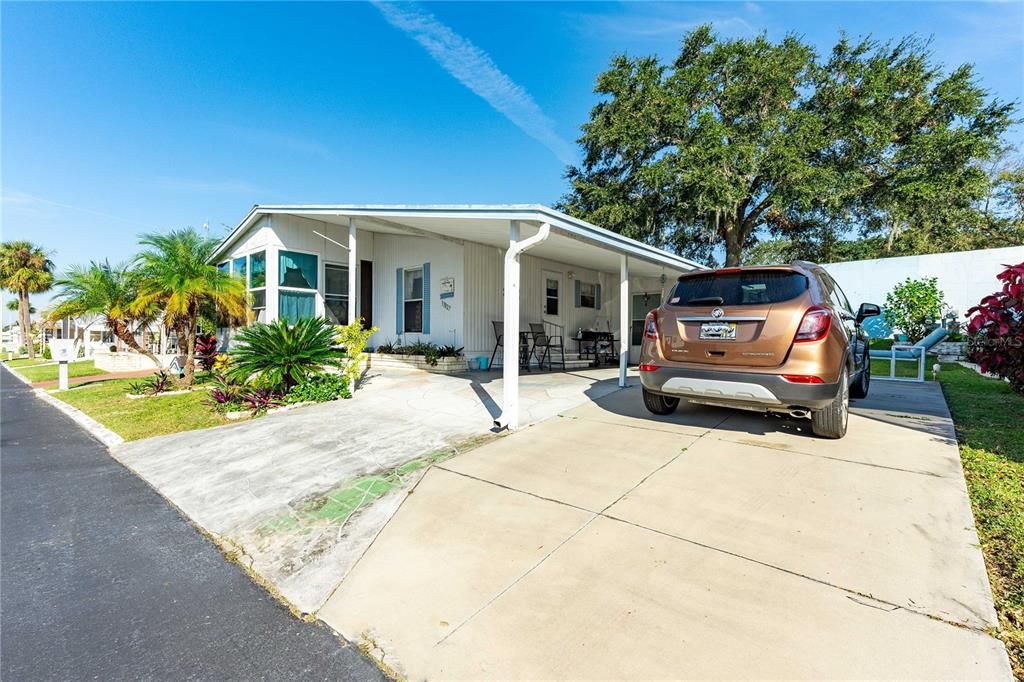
column 366, row 292
column 553, row 290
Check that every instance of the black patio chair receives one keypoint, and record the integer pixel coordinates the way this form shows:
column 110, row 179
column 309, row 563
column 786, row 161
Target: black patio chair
column 545, row 345
column 499, row 341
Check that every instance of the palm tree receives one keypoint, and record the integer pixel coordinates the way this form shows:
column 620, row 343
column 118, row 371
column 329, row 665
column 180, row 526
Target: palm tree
column 177, row 280
column 25, row 269
column 108, row 291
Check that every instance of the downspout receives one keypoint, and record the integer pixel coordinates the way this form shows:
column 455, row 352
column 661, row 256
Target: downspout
column 509, row 417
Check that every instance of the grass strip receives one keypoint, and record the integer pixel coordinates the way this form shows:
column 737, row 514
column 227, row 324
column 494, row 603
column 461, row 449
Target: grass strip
column 988, row 416
column 50, row 372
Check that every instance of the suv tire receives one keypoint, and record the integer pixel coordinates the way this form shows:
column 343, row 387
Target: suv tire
column 860, row 389
column 831, row 421
column 659, row 404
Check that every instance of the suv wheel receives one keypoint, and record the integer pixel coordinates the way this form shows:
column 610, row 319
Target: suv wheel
column 831, row 421
column 659, row 404
column 860, row 389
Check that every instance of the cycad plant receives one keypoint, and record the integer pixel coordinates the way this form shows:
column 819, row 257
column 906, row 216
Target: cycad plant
column 179, row 282
column 279, row 356
column 107, row 291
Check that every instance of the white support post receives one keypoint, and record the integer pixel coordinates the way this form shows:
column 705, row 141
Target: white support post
column 510, row 334
column 623, row 319
column 353, row 262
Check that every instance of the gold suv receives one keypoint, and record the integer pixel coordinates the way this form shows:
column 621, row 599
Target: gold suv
column 779, row 338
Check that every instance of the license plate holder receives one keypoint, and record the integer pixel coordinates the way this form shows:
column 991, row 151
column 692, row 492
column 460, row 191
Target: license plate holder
column 718, row 331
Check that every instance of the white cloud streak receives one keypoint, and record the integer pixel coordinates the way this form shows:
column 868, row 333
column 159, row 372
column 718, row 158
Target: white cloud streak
column 207, row 186
column 475, row 69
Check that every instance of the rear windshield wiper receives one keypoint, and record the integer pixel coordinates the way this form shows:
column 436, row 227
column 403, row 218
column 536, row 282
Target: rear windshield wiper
column 706, row 300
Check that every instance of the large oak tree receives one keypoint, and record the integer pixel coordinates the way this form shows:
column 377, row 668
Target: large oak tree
column 740, row 139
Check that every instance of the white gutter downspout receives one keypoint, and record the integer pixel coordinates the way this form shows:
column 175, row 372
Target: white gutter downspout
column 509, row 417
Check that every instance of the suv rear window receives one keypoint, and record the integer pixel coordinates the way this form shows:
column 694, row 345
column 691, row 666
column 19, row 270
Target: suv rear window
column 747, row 287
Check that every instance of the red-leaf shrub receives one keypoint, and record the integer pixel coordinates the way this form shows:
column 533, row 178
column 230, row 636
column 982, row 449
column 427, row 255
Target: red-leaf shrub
column 996, row 328
column 206, row 351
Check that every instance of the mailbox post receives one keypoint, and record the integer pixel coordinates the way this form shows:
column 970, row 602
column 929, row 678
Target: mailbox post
column 63, row 351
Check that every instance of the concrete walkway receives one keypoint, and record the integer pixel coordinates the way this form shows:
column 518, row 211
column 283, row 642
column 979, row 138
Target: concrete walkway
column 104, row 580
column 608, row 543
column 244, row 482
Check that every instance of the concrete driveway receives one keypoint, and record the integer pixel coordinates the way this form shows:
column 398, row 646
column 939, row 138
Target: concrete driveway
column 608, row 543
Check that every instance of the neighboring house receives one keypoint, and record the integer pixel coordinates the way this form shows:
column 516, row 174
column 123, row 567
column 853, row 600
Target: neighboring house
column 440, row 274
column 97, row 338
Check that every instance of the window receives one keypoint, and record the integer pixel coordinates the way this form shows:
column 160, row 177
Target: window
column 298, row 270
column 413, row 301
column 550, row 296
column 225, row 266
column 749, row 287
column 257, row 282
column 642, row 304
column 837, row 296
column 588, row 295
column 336, row 293
column 258, row 270
column 296, row 305
column 238, row 267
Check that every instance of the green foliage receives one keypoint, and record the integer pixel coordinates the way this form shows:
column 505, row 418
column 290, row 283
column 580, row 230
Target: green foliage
column 431, row 352
column 25, row 269
column 320, row 389
column 738, row 138
column 47, row 355
column 105, row 290
column 353, row 338
column 178, row 282
column 159, row 383
column 915, row 307
column 988, row 414
column 279, row 356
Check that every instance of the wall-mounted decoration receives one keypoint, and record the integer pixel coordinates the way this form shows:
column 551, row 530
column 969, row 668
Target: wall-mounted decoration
column 447, row 287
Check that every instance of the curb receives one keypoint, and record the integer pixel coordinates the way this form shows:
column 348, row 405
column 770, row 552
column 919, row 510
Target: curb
column 98, row 431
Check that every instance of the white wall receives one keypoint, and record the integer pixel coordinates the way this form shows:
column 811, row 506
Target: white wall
column 964, row 277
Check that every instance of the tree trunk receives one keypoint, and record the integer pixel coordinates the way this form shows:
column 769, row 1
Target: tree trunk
column 733, row 246
column 122, row 332
column 25, row 322
column 190, row 356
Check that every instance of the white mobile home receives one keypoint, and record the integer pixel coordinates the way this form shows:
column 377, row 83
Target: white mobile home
column 446, row 274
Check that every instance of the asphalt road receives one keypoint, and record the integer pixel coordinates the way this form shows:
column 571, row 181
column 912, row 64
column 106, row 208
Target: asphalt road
column 101, row 579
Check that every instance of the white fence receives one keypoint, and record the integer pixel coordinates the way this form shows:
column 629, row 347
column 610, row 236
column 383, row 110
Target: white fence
column 964, row 277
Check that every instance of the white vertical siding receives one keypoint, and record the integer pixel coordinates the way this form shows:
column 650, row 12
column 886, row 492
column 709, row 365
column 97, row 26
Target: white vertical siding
column 446, row 260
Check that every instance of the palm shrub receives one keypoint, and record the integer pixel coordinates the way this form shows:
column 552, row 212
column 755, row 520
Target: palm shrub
column 353, row 338
column 280, row 356
column 179, row 282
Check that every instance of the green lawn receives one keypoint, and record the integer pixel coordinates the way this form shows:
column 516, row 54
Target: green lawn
column 25, row 362
column 106, row 402
column 988, row 417
column 904, row 368
column 49, row 372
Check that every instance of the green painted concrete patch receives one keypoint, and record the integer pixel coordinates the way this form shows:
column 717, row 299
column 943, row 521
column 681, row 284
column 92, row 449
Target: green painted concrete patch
column 338, row 504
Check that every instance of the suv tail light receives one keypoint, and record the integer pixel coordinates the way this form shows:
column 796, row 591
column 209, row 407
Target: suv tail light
column 815, row 325
column 651, row 326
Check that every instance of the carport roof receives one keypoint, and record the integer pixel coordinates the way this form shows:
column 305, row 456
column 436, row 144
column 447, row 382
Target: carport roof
column 572, row 241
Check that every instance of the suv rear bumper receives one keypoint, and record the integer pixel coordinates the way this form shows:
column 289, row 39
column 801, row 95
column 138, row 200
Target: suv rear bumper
column 742, row 389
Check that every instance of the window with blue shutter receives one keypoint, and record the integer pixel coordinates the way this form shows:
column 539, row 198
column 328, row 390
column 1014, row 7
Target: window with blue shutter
column 410, row 299
column 426, row 298
column 576, row 294
column 399, row 300
column 597, row 297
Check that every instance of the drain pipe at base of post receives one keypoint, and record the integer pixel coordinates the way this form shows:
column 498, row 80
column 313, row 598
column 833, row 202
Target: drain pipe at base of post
column 509, row 417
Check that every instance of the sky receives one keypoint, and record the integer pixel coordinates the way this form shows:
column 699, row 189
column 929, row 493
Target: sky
column 118, row 119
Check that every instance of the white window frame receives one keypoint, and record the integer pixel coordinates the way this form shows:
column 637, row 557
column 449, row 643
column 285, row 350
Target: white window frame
column 405, row 318
column 593, row 295
column 346, row 297
column 318, row 291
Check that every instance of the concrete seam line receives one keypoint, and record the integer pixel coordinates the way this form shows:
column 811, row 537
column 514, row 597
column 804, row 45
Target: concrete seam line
column 95, row 429
column 517, row 490
column 515, row 582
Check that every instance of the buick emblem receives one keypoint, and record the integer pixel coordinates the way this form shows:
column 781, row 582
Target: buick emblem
column 717, row 313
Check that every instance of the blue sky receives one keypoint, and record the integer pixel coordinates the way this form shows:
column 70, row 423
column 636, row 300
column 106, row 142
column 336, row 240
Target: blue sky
column 124, row 118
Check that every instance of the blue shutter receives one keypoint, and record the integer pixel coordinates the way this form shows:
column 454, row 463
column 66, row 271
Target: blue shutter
column 597, row 296
column 426, row 298
column 399, row 301
column 577, row 293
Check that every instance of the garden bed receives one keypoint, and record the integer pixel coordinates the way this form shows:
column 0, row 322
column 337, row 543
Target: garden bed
column 451, row 365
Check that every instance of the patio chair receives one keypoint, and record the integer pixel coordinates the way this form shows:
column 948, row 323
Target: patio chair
column 903, row 351
column 499, row 336
column 546, row 344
